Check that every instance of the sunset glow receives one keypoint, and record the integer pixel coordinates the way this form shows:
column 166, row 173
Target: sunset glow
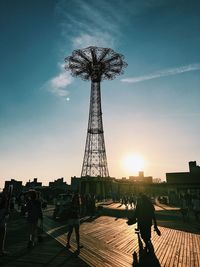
column 132, row 164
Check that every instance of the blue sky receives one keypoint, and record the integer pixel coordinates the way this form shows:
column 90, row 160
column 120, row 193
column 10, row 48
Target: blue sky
column 152, row 110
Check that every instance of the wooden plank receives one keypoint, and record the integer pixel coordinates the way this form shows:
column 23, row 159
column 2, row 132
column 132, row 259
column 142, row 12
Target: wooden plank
column 160, row 243
column 180, row 261
column 185, row 253
column 197, row 241
column 172, row 244
column 196, row 263
column 171, row 257
column 167, row 247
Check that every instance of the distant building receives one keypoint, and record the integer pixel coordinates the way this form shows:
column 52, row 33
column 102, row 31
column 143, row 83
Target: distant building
column 54, row 189
column 59, row 184
column 17, row 186
column 33, row 184
column 191, row 177
column 141, row 178
column 194, row 168
column 157, row 180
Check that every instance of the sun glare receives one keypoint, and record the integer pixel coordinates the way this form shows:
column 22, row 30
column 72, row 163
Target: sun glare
column 133, row 164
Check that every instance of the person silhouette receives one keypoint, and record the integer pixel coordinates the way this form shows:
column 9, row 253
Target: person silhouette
column 34, row 210
column 5, row 200
column 3, row 216
column 145, row 214
column 74, row 221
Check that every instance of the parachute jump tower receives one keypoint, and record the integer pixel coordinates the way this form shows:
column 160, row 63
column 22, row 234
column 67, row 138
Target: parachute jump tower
column 95, row 64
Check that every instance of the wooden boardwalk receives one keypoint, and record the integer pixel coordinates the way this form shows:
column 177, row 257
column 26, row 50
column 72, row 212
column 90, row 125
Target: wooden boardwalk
column 107, row 241
column 111, row 242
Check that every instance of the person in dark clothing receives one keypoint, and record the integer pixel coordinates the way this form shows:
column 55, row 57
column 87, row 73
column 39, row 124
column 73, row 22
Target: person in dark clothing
column 74, row 221
column 145, row 214
column 5, row 200
column 34, row 210
column 3, row 216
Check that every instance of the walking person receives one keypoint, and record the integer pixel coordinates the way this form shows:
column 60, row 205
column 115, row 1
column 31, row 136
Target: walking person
column 34, row 210
column 74, row 221
column 145, row 214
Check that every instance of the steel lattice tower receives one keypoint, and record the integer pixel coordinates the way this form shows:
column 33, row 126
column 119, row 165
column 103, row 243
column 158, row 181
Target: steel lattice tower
column 95, row 64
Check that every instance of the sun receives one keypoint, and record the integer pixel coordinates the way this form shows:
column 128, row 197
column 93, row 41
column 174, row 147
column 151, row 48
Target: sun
column 132, row 164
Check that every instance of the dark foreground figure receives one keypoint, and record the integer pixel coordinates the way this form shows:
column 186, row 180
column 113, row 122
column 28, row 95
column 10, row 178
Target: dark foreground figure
column 34, row 210
column 3, row 215
column 145, row 214
column 5, row 203
column 74, row 221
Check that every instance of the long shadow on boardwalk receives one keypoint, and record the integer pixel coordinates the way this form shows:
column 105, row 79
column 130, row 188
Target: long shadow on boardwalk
column 60, row 228
column 48, row 253
column 145, row 258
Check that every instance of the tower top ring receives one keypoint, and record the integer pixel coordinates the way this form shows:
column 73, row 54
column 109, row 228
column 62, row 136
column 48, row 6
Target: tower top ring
column 95, row 63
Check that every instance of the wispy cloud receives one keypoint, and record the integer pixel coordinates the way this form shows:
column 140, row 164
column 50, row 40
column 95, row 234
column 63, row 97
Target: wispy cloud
column 58, row 84
column 97, row 39
column 87, row 23
column 163, row 73
column 101, row 22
